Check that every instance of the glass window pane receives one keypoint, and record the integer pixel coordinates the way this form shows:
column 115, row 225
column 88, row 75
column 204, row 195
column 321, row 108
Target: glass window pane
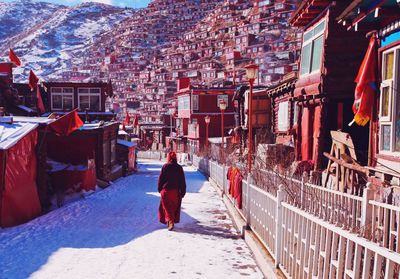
column 67, row 103
column 388, row 67
column 95, row 103
column 84, row 102
column 83, row 90
column 396, row 114
column 56, row 89
column 385, row 101
column 68, row 90
column 307, row 36
column 113, row 151
column 95, row 90
column 305, row 59
column 56, row 100
column 320, row 28
column 317, row 53
column 385, row 137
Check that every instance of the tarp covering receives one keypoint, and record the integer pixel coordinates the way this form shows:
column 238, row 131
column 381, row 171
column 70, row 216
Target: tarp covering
column 73, row 177
column 19, row 200
column 10, row 134
column 72, row 149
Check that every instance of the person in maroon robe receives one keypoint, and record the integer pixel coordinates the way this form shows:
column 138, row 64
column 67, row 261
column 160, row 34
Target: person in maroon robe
column 172, row 187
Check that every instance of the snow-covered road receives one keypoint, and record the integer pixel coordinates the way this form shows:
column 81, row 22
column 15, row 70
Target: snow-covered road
column 114, row 233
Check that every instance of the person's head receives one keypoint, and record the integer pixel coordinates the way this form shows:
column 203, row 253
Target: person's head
column 171, row 157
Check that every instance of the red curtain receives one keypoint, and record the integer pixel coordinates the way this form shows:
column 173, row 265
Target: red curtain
column 19, row 198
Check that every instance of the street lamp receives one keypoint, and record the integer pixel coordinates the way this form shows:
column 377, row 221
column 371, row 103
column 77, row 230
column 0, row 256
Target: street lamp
column 251, row 74
column 222, row 107
column 207, row 119
column 171, row 113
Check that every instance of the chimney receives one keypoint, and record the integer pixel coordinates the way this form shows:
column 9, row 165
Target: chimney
column 6, row 72
column 183, row 84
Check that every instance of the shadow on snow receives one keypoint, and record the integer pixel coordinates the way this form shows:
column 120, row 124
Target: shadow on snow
column 115, row 216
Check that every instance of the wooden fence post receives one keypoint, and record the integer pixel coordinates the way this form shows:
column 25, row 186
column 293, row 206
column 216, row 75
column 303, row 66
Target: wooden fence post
column 248, row 200
column 223, row 179
column 302, row 196
column 366, row 207
column 280, row 197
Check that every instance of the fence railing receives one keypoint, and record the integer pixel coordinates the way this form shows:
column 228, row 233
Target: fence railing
column 314, row 232
column 150, row 155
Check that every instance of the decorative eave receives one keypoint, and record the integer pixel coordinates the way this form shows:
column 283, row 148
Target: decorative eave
column 372, row 14
column 307, row 11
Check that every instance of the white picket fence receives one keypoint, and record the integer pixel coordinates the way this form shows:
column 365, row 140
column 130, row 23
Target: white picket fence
column 318, row 233
column 150, row 155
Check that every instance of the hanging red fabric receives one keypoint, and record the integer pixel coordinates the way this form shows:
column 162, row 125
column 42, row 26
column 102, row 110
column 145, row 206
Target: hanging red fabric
column 14, row 58
column 66, row 124
column 40, row 106
column 33, row 80
column 366, row 80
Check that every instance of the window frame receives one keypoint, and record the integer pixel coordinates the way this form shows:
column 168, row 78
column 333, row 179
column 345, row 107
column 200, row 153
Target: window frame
column 310, row 41
column 195, row 102
column 89, row 94
column 63, row 95
column 394, row 97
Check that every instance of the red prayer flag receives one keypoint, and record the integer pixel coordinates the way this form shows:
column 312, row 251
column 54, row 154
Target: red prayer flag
column 136, row 121
column 40, row 106
column 366, row 80
column 33, row 80
column 14, row 58
column 66, row 124
column 127, row 119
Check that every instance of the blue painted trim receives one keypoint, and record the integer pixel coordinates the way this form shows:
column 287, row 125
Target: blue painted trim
column 394, row 37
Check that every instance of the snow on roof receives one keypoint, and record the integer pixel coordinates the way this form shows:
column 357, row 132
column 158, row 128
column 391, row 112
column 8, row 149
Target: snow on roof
column 36, row 120
column 218, row 140
column 90, row 126
column 126, row 143
column 10, row 134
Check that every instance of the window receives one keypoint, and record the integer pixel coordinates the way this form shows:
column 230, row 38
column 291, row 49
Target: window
column 295, row 113
column 283, row 116
column 89, row 98
column 222, row 97
column 311, row 52
column 106, row 153
column 62, row 98
column 183, row 102
column 195, row 102
column 113, row 151
column 389, row 110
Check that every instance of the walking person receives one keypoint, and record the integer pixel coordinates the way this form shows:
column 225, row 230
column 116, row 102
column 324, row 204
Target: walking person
column 172, row 187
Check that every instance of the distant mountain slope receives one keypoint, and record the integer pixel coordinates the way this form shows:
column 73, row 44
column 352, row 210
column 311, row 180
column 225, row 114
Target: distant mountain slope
column 21, row 16
column 59, row 39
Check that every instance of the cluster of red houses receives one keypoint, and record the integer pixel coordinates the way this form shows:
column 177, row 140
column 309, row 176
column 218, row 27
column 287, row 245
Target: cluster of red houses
column 341, row 107
column 72, row 146
column 206, row 41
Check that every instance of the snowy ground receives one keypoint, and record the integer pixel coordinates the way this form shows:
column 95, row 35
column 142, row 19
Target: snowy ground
column 114, row 233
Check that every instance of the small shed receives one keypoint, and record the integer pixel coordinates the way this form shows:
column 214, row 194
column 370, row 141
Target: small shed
column 92, row 141
column 19, row 200
column 126, row 154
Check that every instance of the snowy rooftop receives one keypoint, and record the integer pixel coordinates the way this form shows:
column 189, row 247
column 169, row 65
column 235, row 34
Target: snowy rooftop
column 10, row 134
column 37, row 120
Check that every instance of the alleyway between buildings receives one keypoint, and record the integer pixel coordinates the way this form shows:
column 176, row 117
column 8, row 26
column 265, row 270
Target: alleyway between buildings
column 114, row 233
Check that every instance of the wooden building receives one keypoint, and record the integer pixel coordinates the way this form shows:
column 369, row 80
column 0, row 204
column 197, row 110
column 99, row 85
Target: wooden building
column 65, row 96
column 261, row 115
column 284, row 110
column 330, row 58
column 384, row 136
column 194, row 104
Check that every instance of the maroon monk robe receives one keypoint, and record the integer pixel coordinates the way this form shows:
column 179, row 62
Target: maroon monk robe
column 170, row 206
column 172, row 187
